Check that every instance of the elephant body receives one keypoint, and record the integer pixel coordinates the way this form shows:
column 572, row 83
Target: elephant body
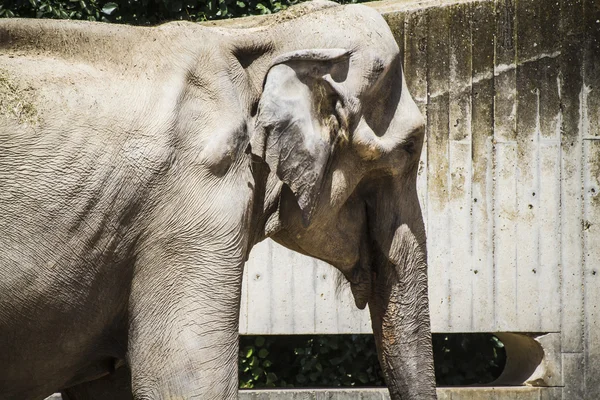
column 138, row 167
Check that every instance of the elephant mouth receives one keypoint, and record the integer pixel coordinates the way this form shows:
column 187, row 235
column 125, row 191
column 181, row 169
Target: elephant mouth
column 364, row 272
column 375, row 268
column 361, row 290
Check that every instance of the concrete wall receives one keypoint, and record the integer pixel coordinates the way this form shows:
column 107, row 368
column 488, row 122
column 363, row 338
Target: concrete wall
column 509, row 184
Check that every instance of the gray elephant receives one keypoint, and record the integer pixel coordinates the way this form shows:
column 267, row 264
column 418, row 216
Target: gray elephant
column 138, row 167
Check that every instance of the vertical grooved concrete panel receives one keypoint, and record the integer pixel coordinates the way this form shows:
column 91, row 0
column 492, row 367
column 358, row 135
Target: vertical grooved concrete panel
column 591, row 256
column 460, row 167
column 438, row 218
column 414, row 40
column 591, row 188
column 505, row 162
column 482, row 165
column 570, row 82
column 528, row 138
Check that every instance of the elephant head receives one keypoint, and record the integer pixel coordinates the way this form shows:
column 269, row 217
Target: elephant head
column 341, row 135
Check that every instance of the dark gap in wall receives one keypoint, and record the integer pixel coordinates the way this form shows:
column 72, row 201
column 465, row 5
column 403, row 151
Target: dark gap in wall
column 304, row 361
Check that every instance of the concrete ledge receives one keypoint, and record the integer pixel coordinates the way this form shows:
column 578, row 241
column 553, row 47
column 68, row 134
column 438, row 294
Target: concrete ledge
column 458, row 393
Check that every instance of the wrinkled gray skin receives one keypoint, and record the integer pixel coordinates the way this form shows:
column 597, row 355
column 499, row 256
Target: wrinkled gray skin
column 138, row 167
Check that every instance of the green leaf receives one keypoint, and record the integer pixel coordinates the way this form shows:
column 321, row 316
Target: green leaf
column 257, row 372
column 337, row 360
column 263, row 9
column 241, row 4
column 497, row 342
column 109, row 8
column 263, row 353
column 260, row 340
column 363, row 377
column 271, row 378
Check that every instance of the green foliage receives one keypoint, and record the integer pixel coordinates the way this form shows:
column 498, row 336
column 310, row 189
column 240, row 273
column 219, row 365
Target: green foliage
column 308, row 361
column 71, row 9
column 351, row 360
column 143, row 12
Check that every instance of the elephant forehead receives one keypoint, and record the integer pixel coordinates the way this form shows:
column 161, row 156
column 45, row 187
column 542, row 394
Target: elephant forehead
column 355, row 27
column 373, row 47
column 367, row 29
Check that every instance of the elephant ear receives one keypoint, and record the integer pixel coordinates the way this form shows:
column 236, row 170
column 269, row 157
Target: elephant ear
column 295, row 122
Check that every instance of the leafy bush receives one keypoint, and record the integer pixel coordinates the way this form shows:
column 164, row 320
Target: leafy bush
column 308, row 361
column 143, row 12
column 351, row 360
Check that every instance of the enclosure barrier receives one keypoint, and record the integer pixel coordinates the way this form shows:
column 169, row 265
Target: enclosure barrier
column 509, row 183
column 493, row 393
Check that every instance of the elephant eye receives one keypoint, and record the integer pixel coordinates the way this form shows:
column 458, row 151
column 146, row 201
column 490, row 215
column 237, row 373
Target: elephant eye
column 410, row 146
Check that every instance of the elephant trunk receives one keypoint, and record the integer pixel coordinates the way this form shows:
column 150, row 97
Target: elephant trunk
column 399, row 306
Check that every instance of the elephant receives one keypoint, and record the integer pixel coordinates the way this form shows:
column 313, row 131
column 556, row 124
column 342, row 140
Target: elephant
column 139, row 165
